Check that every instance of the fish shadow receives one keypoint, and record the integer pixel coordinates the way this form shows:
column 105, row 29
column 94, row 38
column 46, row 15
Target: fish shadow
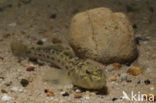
column 103, row 91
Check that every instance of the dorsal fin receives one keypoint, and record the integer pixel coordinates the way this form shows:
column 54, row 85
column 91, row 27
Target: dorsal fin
column 62, row 48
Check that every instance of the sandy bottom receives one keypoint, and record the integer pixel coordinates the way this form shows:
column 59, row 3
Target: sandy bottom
column 32, row 20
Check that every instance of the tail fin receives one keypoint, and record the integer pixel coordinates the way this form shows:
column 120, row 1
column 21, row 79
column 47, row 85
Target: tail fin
column 18, row 48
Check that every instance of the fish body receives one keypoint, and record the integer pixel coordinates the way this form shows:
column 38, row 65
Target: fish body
column 84, row 73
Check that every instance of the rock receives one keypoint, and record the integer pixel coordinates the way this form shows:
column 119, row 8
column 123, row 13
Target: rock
column 116, row 66
column 15, row 89
column 1, row 58
column 135, row 71
column 40, row 42
column 123, row 77
column 24, row 82
column 19, row 59
column 65, row 94
column 110, row 68
column 87, row 97
column 30, row 68
column 78, row 95
column 139, row 82
column 49, row 93
column 151, row 88
column 147, row 82
column 3, row 91
column 129, row 81
column 114, row 99
column 78, row 91
column 8, row 83
column 2, row 78
column 102, row 35
column 5, row 98
column 113, row 78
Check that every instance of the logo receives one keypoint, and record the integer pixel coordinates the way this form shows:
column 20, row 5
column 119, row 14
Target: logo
column 138, row 97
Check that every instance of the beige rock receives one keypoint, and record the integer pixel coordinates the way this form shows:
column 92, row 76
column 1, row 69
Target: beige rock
column 116, row 66
column 78, row 95
column 102, row 35
column 113, row 78
column 134, row 71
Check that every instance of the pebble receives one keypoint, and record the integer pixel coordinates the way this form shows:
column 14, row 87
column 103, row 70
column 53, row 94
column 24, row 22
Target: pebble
column 147, row 82
column 116, row 66
column 8, row 84
column 30, row 68
column 19, row 59
column 139, row 82
column 15, row 89
column 5, row 98
column 135, row 71
column 129, row 81
column 46, row 90
column 148, row 70
column 115, row 83
column 1, row 58
column 2, row 78
column 78, row 91
column 3, row 91
column 78, row 95
column 87, row 97
column 114, row 99
column 123, row 77
column 44, row 40
column 49, row 93
column 40, row 42
column 128, row 64
column 113, row 78
column 151, row 88
column 110, row 68
column 21, row 90
column 24, row 82
column 65, row 94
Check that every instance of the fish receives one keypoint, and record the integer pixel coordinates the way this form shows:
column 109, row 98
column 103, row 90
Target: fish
column 84, row 73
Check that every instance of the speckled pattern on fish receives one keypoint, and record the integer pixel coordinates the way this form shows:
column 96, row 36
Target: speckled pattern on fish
column 84, row 73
